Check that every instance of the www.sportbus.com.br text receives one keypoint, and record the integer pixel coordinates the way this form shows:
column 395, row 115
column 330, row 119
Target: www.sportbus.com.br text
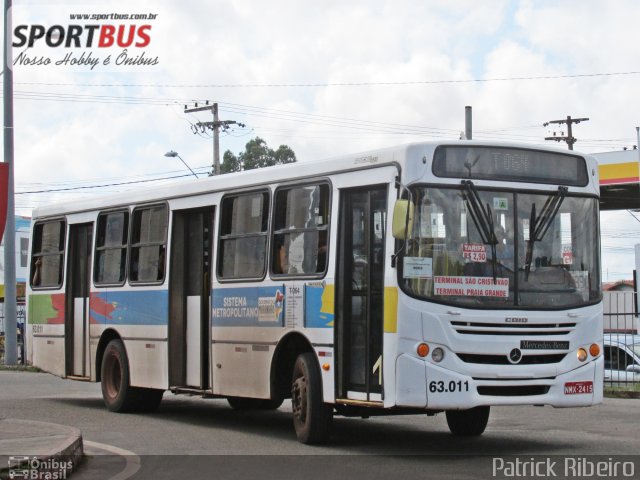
column 113, row 16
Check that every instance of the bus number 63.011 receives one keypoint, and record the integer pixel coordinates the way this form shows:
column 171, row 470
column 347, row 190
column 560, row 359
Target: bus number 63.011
column 442, row 387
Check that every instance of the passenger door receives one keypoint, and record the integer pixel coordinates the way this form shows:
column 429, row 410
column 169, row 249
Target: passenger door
column 360, row 289
column 189, row 302
column 77, row 300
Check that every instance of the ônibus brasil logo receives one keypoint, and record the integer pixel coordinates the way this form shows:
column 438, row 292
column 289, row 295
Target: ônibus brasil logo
column 87, row 45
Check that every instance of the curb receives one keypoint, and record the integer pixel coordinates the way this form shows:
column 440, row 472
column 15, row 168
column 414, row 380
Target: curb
column 27, row 447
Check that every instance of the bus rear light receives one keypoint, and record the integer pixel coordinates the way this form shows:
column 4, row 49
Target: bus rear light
column 437, row 355
column 594, row 349
column 582, row 354
column 423, row 350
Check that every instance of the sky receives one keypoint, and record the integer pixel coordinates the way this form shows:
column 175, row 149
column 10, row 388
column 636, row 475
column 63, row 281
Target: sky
column 325, row 78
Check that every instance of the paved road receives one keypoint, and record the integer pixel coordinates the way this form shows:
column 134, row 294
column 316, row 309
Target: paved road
column 193, row 426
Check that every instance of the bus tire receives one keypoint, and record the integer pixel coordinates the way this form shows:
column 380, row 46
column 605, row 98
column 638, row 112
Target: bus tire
column 243, row 403
column 117, row 393
column 468, row 423
column 311, row 416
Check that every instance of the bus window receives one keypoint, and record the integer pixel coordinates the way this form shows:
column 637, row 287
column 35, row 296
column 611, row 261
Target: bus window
column 300, row 230
column 111, row 248
column 243, row 236
column 46, row 258
column 148, row 244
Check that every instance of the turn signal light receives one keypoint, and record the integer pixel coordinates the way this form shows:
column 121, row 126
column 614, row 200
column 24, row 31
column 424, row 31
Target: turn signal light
column 326, row 367
column 423, row 350
column 582, row 354
column 594, row 349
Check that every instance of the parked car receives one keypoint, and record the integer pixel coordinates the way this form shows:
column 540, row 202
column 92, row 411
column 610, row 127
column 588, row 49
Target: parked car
column 621, row 358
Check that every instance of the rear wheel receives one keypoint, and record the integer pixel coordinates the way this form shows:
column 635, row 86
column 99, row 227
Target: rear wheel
column 117, row 392
column 311, row 416
column 468, row 423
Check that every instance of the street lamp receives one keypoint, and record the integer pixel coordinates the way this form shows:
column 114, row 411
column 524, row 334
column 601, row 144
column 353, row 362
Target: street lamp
column 173, row 154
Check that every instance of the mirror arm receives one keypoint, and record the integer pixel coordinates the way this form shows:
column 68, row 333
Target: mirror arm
column 394, row 257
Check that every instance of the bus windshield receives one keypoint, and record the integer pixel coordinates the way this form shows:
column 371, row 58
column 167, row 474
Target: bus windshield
column 472, row 247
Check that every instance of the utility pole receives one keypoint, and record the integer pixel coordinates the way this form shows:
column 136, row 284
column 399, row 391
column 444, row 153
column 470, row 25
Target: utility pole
column 216, row 125
column 10, row 309
column 570, row 139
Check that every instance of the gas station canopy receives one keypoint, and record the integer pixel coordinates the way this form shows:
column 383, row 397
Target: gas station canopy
column 619, row 180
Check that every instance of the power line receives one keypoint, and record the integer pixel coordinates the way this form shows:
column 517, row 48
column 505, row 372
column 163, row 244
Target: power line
column 103, row 185
column 334, row 84
column 369, row 126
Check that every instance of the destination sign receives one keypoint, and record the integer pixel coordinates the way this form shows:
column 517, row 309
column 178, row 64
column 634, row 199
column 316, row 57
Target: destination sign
column 510, row 164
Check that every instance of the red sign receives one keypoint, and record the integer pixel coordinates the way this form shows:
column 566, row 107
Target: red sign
column 475, row 252
column 4, row 187
column 577, row 388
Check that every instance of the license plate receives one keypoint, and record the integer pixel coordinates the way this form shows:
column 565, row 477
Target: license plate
column 576, row 388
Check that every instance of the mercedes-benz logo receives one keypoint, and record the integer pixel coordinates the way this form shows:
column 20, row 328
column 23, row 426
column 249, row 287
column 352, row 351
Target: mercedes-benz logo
column 515, row 356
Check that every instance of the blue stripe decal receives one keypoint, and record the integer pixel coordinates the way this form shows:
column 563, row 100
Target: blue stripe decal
column 247, row 307
column 137, row 307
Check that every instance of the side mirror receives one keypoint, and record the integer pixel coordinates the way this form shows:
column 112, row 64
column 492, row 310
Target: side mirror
column 402, row 218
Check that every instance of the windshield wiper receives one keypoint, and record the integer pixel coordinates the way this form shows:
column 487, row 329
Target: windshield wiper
column 538, row 226
column 482, row 219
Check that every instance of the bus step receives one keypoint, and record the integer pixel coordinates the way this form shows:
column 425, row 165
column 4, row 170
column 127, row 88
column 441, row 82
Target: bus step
column 190, row 391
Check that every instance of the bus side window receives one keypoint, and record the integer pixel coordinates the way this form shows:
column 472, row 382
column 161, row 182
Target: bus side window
column 300, row 232
column 242, row 249
column 47, row 254
column 111, row 248
column 148, row 244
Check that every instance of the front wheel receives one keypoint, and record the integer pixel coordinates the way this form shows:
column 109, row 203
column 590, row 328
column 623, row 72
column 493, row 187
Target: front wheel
column 468, row 423
column 311, row 416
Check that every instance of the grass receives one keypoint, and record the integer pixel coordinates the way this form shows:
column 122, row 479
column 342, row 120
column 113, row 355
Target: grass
column 631, row 390
column 19, row 368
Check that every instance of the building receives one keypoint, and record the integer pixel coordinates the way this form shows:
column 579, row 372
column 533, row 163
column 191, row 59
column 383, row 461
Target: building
column 23, row 227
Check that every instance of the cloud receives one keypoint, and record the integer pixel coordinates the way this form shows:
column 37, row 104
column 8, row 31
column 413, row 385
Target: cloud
column 242, row 42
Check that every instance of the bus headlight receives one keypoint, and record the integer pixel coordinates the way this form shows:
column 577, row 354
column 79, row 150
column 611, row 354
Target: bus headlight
column 582, row 354
column 437, row 355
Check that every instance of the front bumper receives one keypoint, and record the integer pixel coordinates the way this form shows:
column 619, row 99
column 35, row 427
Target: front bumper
column 423, row 384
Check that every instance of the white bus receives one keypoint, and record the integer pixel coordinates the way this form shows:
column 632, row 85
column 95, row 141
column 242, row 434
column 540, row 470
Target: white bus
column 419, row 279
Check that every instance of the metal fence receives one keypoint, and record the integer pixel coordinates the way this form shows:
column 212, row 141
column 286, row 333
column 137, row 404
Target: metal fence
column 621, row 341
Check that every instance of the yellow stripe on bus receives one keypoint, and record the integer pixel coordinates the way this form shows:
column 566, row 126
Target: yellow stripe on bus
column 390, row 309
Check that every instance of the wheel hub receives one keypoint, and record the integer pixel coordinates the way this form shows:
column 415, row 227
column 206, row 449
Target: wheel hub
column 299, row 399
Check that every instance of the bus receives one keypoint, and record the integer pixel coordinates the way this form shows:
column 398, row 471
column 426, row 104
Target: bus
column 426, row 278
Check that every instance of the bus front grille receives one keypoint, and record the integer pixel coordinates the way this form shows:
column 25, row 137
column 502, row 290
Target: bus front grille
column 538, row 359
column 520, row 329
column 513, row 390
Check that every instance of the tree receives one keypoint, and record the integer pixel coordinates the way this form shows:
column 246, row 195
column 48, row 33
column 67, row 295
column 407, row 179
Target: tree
column 230, row 163
column 256, row 155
